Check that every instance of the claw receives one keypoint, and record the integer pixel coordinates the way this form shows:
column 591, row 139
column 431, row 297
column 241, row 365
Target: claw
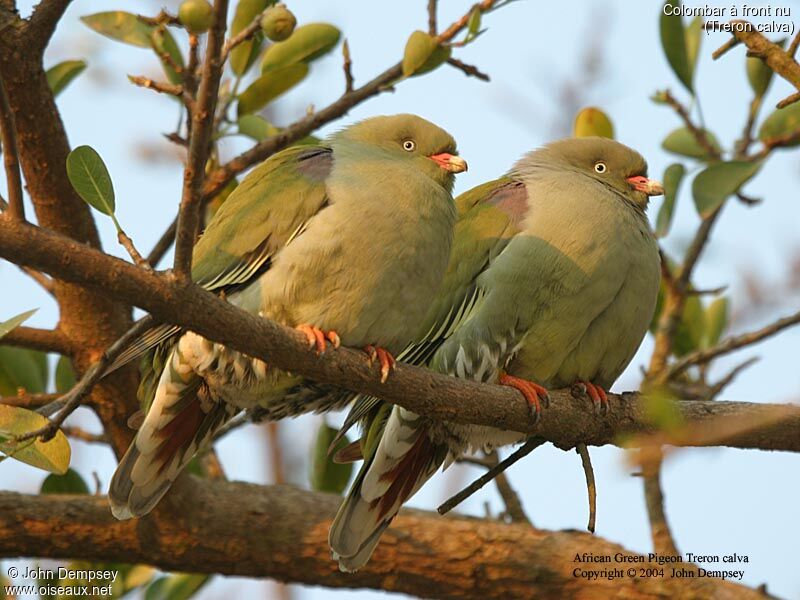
column 535, row 395
column 596, row 393
column 316, row 337
column 385, row 359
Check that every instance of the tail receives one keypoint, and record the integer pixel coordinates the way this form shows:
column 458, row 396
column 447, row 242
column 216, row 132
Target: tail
column 179, row 423
column 403, row 458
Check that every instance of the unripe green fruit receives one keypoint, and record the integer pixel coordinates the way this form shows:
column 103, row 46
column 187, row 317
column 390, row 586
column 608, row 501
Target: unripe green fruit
column 196, row 15
column 278, row 23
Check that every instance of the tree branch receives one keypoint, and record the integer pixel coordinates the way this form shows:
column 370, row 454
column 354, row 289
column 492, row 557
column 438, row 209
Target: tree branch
column 281, row 532
column 16, row 207
column 200, row 143
column 46, row 340
column 567, row 422
column 44, row 19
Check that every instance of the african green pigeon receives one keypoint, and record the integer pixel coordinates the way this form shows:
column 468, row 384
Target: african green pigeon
column 552, row 281
column 345, row 240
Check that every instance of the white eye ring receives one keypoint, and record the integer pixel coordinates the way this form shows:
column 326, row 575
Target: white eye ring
column 600, row 167
column 409, row 146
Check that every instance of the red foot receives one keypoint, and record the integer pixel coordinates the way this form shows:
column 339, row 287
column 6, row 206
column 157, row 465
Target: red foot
column 385, row 359
column 595, row 392
column 535, row 395
column 316, row 337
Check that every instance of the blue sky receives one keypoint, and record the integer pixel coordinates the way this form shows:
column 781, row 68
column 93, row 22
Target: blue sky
column 718, row 501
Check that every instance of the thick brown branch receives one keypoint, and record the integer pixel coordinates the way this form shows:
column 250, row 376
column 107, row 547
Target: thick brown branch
column 200, row 142
column 46, row 340
column 281, row 533
column 772, row 54
column 566, row 423
column 44, row 19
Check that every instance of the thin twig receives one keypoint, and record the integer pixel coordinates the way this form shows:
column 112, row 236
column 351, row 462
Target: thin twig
column 26, row 400
column 45, row 340
column 731, row 344
column 731, row 43
column 432, row 16
column 792, row 49
column 245, row 34
column 529, row 446
column 127, row 243
column 716, row 389
column 347, row 66
column 16, row 207
column 663, row 542
column 72, row 400
column 200, row 144
column 700, row 135
column 469, row 70
column 85, row 436
column 159, row 86
column 591, row 487
column 788, row 100
column 163, row 244
column 40, row 278
column 514, row 508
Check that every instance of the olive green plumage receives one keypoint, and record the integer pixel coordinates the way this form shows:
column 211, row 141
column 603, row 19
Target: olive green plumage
column 553, row 278
column 350, row 236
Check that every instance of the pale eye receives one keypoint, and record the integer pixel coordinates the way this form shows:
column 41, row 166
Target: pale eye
column 409, row 146
column 600, row 167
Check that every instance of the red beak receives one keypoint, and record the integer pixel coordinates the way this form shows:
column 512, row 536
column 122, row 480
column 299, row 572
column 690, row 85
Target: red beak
column 651, row 187
column 450, row 162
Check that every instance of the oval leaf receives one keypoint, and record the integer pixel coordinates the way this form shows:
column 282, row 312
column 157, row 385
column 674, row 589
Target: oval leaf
column 68, row 483
column 271, row 85
column 693, row 35
column 257, row 128
column 164, row 45
column 22, row 368
column 691, row 329
column 714, row 184
column 682, row 141
column 423, row 54
column 245, row 54
column 673, row 41
column 65, row 375
column 673, row 175
column 326, row 475
column 121, row 26
column 15, row 322
column 592, row 121
column 53, row 456
column 62, row 74
column 307, row 43
column 89, row 176
column 781, row 122
column 716, row 320
column 758, row 74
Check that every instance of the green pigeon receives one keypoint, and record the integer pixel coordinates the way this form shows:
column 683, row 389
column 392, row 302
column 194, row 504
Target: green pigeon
column 552, row 281
column 344, row 240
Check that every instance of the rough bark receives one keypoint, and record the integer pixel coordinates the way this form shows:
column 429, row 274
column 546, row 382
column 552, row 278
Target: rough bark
column 281, row 532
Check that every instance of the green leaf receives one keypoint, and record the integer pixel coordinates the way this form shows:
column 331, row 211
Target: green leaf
column 714, row 184
column 326, row 475
column 121, row 26
column 164, row 44
column 62, row 74
column 682, row 141
column 691, row 329
column 592, row 121
column 716, row 320
column 423, row 54
column 673, row 176
column 661, row 409
column 65, row 375
column 673, row 41
column 22, row 368
column 245, row 54
column 693, row 35
column 53, row 456
column 15, row 322
column 306, row 44
column 474, row 23
column 257, row 128
column 781, row 122
column 181, row 586
column 89, row 176
column 269, row 86
column 68, row 483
